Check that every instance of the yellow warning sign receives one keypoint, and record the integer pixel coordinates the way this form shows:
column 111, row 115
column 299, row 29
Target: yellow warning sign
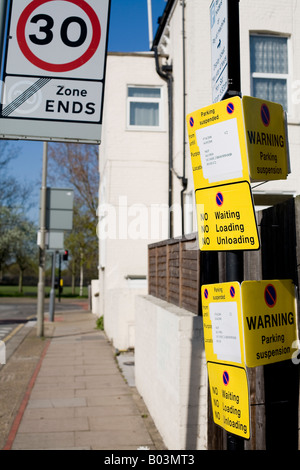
column 266, row 137
column 218, row 144
column 222, row 323
column 270, row 321
column 230, row 398
column 226, row 218
column 224, row 349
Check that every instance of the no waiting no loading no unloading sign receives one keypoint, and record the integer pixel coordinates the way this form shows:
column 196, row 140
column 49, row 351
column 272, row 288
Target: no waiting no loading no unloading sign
column 55, row 68
column 226, row 218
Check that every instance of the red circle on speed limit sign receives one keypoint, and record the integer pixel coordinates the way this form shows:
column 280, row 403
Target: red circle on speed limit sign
column 67, row 66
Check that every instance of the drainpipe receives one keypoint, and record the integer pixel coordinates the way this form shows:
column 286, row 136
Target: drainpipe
column 184, row 180
column 150, row 28
column 166, row 74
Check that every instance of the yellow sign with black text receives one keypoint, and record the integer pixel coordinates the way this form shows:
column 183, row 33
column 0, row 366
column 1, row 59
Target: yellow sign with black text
column 230, row 398
column 233, row 142
column 270, row 321
column 225, row 210
column 267, row 143
column 224, row 350
column 218, row 144
column 245, row 325
column 250, row 324
column 238, row 139
column 226, row 218
column 222, row 323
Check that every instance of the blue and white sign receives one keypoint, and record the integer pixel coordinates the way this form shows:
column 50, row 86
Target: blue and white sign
column 219, row 48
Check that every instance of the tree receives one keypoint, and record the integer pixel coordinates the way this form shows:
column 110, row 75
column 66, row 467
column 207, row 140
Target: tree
column 14, row 202
column 77, row 165
column 17, row 241
column 82, row 244
column 11, row 194
column 24, row 247
column 6, row 225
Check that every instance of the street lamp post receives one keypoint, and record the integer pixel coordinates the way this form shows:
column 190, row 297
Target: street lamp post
column 42, row 247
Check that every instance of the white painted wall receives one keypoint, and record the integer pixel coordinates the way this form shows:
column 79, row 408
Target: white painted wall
column 255, row 16
column 280, row 18
column 170, row 372
column 95, row 295
column 134, row 164
column 133, row 176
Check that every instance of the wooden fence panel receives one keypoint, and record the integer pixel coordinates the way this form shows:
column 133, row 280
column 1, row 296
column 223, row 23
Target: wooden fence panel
column 152, row 271
column 162, row 272
column 174, row 272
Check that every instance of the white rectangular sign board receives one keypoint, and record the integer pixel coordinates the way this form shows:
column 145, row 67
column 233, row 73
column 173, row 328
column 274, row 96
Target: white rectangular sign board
column 54, row 70
column 225, row 331
column 219, row 48
column 220, row 151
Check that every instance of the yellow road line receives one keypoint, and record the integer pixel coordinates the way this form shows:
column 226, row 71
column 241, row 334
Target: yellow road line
column 8, row 337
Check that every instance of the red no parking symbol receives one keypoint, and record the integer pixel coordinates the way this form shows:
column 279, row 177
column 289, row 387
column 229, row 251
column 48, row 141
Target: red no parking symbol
column 225, row 377
column 45, row 23
column 270, row 295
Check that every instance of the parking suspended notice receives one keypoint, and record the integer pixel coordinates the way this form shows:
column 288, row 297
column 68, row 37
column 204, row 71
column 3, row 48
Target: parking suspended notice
column 55, row 69
column 224, row 203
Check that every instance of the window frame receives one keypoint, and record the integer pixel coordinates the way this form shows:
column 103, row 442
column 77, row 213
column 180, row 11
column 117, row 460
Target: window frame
column 274, row 76
column 133, row 99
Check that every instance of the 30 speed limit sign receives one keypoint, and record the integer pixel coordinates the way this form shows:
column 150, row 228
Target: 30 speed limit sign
column 55, row 66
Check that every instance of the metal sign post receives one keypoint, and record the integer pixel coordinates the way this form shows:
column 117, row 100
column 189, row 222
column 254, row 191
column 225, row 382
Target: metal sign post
column 234, row 259
column 225, row 48
column 52, row 291
column 226, row 82
column 42, row 247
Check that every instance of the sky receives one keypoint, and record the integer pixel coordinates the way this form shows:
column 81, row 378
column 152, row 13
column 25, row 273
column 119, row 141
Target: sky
column 128, row 32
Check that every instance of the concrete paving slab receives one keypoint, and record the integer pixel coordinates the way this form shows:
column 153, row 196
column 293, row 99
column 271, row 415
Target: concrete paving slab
column 107, row 400
column 94, row 409
column 49, row 413
column 110, row 439
column 103, row 392
column 78, row 396
column 44, row 441
column 53, row 425
column 131, row 424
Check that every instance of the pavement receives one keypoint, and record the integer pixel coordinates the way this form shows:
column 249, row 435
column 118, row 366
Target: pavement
column 70, row 391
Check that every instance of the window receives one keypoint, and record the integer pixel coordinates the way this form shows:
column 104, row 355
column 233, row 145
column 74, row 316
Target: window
column 270, row 68
column 144, row 107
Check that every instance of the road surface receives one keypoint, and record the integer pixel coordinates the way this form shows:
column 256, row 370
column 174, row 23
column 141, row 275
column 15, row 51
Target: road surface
column 18, row 311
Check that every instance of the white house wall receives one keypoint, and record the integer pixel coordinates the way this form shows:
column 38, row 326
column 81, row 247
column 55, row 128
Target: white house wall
column 255, row 16
column 133, row 175
column 134, row 164
column 280, row 18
